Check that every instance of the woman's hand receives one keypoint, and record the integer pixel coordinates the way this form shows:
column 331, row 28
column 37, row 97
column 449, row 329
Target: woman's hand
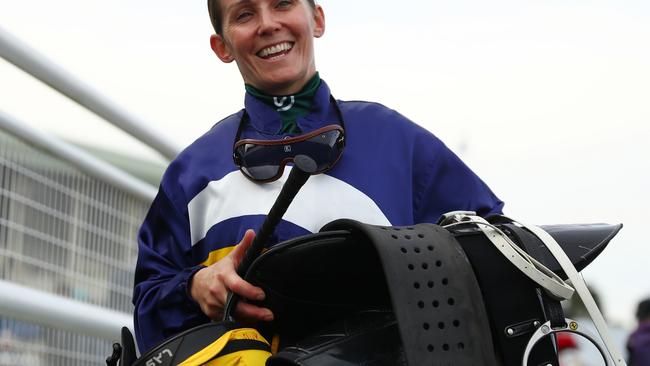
column 210, row 285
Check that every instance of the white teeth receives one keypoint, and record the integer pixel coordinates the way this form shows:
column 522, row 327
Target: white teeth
column 284, row 46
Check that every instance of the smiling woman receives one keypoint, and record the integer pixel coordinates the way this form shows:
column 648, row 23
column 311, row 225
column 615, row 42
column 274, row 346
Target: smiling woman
column 390, row 172
column 272, row 42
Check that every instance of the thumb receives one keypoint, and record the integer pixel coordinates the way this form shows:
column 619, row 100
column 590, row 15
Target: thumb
column 241, row 248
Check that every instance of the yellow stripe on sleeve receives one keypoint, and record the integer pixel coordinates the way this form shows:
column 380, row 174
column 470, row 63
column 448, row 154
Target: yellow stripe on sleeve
column 217, row 255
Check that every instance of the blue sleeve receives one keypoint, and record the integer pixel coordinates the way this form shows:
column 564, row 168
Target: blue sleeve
column 163, row 306
column 446, row 184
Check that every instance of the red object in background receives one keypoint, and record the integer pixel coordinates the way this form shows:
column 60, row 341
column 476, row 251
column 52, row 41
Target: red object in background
column 566, row 341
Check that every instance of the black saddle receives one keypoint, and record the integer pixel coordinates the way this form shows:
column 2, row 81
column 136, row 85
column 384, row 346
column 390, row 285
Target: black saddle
column 454, row 297
column 358, row 294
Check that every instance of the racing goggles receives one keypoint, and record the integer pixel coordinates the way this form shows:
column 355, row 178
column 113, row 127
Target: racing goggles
column 264, row 160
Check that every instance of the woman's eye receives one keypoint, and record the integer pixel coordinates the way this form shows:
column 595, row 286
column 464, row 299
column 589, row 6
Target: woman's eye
column 243, row 15
column 284, row 3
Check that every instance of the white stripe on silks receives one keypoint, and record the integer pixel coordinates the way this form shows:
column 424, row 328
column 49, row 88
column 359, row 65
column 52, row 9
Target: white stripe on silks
column 321, row 200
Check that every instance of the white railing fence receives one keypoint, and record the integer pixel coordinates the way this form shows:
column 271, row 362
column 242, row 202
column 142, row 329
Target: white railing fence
column 71, row 237
column 68, row 226
column 40, row 67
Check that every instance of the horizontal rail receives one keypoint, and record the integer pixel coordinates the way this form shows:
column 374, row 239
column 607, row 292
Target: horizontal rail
column 39, row 66
column 78, row 158
column 43, row 308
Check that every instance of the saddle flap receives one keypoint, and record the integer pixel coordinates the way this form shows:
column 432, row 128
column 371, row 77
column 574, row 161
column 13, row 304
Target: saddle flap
column 511, row 298
column 582, row 243
column 316, row 279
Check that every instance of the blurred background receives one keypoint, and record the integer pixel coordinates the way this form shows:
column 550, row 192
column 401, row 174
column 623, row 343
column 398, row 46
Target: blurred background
column 548, row 101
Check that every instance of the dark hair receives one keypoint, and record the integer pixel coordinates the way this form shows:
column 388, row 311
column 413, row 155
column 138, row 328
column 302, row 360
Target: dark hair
column 214, row 9
column 643, row 310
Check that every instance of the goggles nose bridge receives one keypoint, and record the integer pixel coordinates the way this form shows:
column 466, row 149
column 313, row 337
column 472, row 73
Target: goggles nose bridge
column 287, row 148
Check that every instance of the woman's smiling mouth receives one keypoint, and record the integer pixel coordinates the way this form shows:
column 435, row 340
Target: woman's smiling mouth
column 275, row 50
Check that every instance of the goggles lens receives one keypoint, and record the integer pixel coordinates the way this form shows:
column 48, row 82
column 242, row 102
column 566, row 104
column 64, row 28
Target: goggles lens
column 264, row 160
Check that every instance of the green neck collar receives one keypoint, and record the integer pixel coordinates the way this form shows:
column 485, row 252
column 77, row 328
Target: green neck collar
column 289, row 107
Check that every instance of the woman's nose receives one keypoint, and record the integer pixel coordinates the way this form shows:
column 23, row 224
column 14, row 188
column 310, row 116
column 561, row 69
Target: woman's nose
column 269, row 23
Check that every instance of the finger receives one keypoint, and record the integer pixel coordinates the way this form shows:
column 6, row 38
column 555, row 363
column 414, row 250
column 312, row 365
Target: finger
column 244, row 244
column 251, row 312
column 243, row 288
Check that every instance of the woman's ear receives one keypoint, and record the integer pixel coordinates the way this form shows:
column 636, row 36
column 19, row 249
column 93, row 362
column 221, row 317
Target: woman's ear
column 319, row 21
column 221, row 48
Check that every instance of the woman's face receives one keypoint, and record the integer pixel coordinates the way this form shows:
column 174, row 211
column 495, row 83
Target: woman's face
column 272, row 42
